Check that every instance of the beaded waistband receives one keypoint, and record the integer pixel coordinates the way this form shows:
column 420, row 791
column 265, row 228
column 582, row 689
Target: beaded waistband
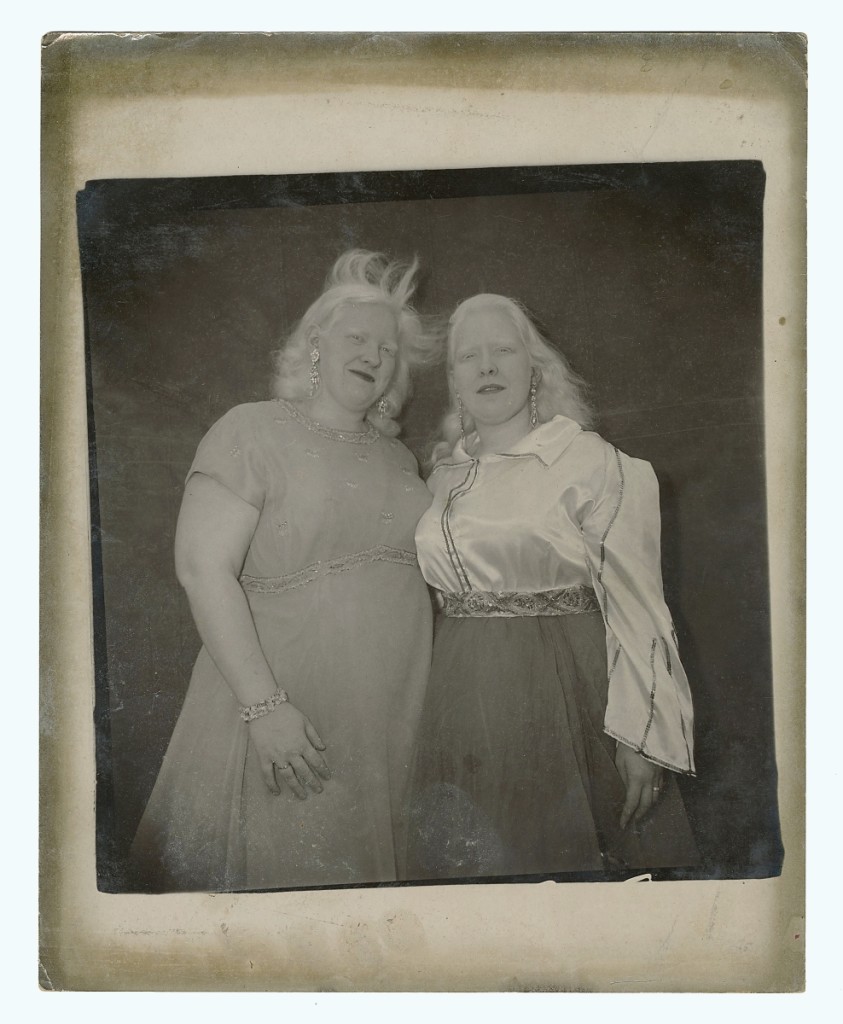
column 329, row 567
column 511, row 603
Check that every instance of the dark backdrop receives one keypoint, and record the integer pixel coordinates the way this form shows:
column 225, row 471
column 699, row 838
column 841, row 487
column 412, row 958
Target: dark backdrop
column 647, row 276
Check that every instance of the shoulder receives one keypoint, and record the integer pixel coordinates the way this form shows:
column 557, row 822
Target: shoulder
column 618, row 479
column 604, row 472
column 588, row 461
column 248, row 414
column 590, row 447
column 400, row 452
column 253, row 413
column 244, row 428
column 253, row 419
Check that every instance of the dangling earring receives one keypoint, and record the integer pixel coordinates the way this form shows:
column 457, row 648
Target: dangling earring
column 314, row 371
column 462, row 424
column 383, row 408
column 534, row 412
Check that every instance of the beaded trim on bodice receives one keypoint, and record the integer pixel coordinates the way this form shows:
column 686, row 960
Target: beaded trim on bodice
column 329, row 567
column 351, row 436
column 575, row 600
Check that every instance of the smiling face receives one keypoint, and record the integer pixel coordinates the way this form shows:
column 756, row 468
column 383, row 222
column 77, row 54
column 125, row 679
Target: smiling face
column 491, row 368
column 358, row 348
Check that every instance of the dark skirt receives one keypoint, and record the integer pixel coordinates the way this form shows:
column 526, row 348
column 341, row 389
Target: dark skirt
column 513, row 774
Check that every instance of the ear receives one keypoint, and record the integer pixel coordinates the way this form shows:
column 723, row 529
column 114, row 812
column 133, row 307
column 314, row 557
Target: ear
column 313, row 335
column 537, row 374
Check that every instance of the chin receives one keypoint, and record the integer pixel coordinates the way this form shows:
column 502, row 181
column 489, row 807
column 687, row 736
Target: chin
column 361, row 393
column 494, row 421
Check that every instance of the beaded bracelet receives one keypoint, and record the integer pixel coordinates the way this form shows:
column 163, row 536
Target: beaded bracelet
column 263, row 707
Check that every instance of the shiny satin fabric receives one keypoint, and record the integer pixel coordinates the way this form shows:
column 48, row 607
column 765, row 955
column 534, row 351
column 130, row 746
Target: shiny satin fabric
column 564, row 508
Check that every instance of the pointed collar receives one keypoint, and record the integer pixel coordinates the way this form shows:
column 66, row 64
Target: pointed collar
column 546, row 443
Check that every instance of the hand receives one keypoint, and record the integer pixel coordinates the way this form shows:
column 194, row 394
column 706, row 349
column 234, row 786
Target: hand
column 289, row 748
column 643, row 781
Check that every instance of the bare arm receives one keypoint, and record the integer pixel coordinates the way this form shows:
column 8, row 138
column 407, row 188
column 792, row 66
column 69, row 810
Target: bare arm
column 214, row 531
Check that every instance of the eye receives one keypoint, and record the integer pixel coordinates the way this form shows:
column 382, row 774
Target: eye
column 466, row 356
column 506, row 349
column 388, row 351
column 355, row 337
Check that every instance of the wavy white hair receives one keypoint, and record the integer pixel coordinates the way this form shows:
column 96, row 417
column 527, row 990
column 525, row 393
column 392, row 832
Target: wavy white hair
column 361, row 276
column 560, row 391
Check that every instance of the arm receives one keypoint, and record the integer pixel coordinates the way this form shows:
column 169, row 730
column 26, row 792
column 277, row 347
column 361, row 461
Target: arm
column 214, row 531
column 649, row 710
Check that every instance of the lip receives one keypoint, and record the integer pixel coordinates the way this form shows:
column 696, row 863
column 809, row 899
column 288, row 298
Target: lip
column 363, row 375
column 490, row 389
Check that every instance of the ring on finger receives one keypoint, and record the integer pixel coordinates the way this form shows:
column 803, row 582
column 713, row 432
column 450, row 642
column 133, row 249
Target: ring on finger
column 283, row 767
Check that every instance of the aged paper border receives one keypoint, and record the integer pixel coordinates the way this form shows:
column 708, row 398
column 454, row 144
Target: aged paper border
column 403, row 102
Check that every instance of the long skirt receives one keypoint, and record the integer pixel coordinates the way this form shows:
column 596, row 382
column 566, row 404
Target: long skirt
column 513, row 774
column 353, row 651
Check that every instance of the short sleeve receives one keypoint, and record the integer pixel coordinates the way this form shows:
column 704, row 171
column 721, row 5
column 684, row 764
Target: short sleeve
column 649, row 704
column 230, row 454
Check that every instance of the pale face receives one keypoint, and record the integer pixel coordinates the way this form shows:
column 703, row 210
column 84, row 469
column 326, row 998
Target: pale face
column 358, row 348
column 491, row 367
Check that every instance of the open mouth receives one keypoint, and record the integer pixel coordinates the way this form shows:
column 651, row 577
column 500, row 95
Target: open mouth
column 363, row 376
column 490, row 389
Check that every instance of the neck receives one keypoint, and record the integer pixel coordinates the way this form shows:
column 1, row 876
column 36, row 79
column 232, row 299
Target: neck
column 331, row 414
column 500, row 437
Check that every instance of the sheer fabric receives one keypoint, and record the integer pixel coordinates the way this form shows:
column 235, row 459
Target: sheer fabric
column 349, row 641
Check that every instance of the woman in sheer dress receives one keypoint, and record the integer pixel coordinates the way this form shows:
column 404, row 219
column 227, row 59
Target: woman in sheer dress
column 289, row 761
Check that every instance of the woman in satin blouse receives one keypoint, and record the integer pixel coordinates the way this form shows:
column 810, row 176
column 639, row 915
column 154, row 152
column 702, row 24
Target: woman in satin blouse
column 558, row 713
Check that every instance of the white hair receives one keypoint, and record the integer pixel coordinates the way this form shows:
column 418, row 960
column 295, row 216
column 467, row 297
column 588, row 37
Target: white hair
column 560, row 391
column 361, row 276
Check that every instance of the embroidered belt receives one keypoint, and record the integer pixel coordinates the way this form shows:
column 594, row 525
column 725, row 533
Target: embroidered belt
column 330, row 567
column 512, row 603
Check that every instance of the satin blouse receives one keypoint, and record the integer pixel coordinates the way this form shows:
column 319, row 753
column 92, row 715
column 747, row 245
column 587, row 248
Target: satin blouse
column 564, row 508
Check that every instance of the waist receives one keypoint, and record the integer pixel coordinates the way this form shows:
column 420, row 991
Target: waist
column 574, row 600
column 327, row 567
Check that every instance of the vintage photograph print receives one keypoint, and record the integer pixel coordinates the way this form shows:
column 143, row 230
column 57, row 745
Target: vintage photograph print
column 429, row 527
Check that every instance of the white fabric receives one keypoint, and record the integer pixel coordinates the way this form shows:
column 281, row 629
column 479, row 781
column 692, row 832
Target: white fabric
column 562, row 508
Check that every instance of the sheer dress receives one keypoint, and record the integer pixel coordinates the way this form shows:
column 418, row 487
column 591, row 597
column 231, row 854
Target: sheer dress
column 344, row 619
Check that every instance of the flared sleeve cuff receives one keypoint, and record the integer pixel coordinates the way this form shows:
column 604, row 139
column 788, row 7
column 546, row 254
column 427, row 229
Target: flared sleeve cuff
column 229, row 453
column 649, row 702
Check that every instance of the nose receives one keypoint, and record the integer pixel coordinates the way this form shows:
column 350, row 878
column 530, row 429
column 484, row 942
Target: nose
column 372, row 353
column 488, row 368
